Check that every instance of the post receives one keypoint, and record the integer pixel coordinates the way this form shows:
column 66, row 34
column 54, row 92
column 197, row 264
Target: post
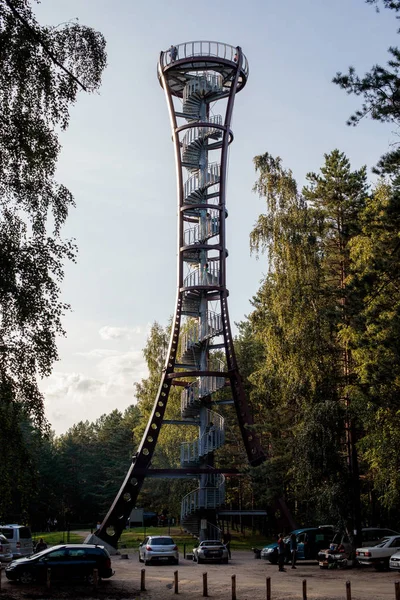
column 233, row 587
column 348, row 590
column 143, row 580
column 48, row 578
column 205, row 587
column 304, row 589
column 397, row 589
column 176, row 582
column 0, row 579
column 184, row 550
column 95, row 578
column 268, row 588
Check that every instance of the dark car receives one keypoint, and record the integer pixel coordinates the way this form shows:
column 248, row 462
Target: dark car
column 67, row 561
column 310, row 540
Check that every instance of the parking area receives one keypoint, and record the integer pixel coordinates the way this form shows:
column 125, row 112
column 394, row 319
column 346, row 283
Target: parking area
column 251, row 574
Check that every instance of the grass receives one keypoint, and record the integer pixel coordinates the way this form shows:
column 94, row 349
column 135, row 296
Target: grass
column 131, row 538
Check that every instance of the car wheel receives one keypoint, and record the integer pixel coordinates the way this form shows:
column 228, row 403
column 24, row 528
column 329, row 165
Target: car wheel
column 175, row 561
column 90, row 579
column 273, row 561
column 199, row 560
column 147, row 561
column 194, row 558
column 26, row 577
column 225, row 561
column 140, row 558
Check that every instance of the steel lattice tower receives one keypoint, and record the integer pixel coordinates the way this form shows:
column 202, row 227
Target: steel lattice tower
column 196, row 77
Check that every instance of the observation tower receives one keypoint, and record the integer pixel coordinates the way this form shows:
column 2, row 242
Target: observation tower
column 200, row 82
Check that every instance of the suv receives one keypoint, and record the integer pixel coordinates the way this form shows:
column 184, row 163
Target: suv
column 310, row 540
column 67, row 561
column 19, row 538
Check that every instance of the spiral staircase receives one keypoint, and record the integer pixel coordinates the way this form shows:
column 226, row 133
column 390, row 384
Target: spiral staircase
column 201, row 359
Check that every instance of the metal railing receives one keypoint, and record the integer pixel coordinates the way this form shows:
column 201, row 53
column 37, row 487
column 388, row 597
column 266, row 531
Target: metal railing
column 212, row 495
column 206, row 229
column 199, row 180
column 203, row 85
column 214, row 434
column 190, row 337
column 190, row 398
column 204, row 48
column 208, row 275
column 189, row 453
column 201, row 133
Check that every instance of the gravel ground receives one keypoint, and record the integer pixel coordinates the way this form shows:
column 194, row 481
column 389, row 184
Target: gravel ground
column 251, row 576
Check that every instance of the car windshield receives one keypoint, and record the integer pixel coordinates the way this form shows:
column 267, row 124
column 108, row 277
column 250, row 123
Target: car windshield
column 161, row 541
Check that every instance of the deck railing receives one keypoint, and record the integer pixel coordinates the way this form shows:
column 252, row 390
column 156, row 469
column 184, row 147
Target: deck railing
column 204, row 48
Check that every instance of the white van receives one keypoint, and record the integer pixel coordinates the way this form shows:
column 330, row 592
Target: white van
column 20, row 539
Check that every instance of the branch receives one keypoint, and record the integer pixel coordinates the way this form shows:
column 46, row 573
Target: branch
column 45, row 48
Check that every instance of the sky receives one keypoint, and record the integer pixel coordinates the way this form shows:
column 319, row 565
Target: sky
column 117, row 160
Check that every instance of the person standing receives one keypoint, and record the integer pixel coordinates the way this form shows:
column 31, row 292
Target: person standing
column 281, row 552
column 227, row 541
column 293, row 549
column 173, row 52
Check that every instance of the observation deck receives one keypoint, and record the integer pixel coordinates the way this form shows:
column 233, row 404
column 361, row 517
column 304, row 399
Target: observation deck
column 190, row 59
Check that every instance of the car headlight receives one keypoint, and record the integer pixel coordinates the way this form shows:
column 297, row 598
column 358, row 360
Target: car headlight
column 268, row 550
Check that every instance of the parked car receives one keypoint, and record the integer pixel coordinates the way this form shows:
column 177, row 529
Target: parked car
column 373, row 535
column 5, row 549
column 342, row 551
column 20, row 539
column 67, row 561
column 379, row 555
column 394, row 562
column 310, row 540
column 158, row 548
column 210, row 551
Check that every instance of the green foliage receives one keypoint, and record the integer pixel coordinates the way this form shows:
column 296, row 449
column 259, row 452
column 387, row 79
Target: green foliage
column 35, row 95
column 379, row 89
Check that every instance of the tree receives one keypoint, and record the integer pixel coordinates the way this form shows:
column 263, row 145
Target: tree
column 41, row 71
column 380, row 90
column 298, row 315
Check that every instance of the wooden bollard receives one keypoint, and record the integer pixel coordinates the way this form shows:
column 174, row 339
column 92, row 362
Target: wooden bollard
column 304, row 589
column 268, row 588
column 205, row 586
column 397, row 589
column 176, row 582
column 48, row 578
column 233, row 587
column 95, row 578
column 348, row 590
column 0, row 578
column 143, row 580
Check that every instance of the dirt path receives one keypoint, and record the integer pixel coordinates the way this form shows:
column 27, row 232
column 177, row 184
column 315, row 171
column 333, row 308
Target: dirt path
column 250, row 574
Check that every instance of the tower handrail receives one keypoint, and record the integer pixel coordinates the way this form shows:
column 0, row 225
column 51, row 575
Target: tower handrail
column 205, row 48
column 210, row 496
column 213, row 175
column 207, row 228
column 207, row 275
column 202, row 131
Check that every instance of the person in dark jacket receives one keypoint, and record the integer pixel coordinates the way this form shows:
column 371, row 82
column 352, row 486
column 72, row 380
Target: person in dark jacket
column 41, row 545
column 281, row 552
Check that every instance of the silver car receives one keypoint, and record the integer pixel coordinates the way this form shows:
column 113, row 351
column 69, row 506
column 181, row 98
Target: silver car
column 5, row 549
column 210, row 551
column 158, row 548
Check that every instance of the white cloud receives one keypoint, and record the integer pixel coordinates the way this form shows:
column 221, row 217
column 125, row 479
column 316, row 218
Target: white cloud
column 98, row 380
column 118, row 333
